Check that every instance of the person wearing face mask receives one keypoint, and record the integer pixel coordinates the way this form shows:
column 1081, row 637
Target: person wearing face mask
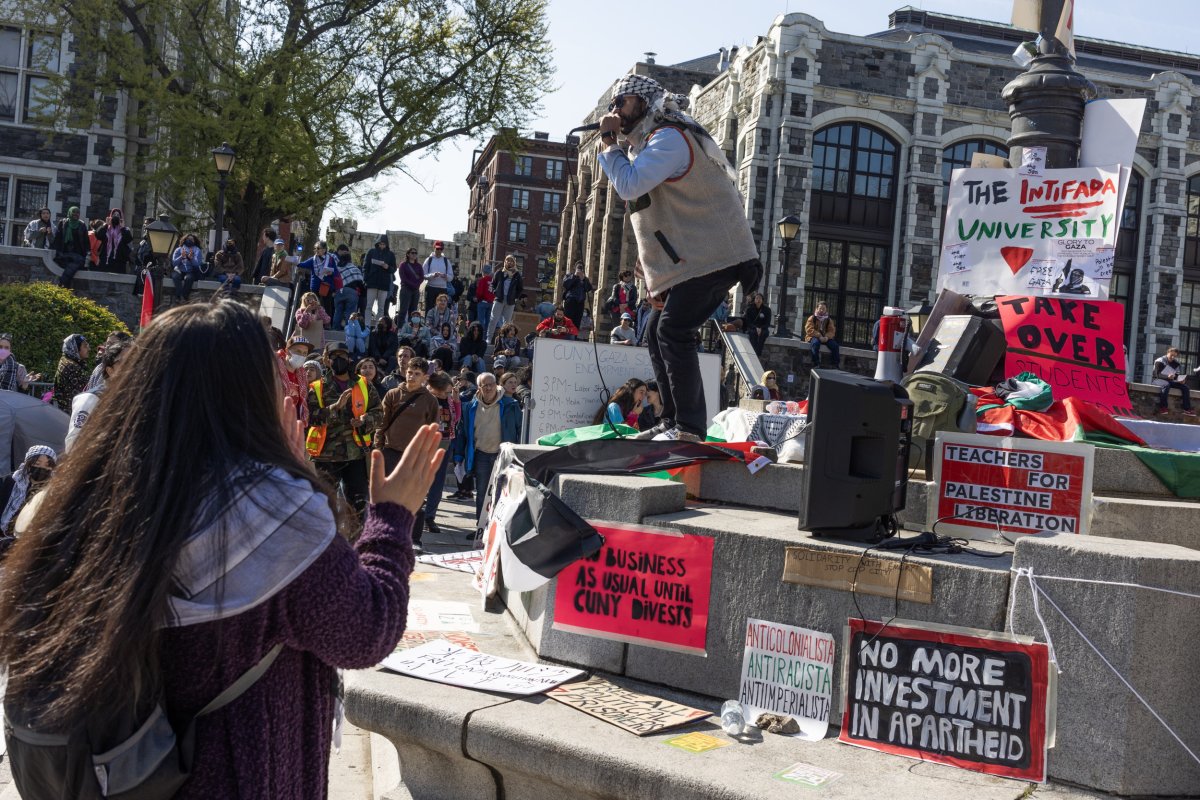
column 13, row 377
column 295, row 377
column 71, row 246
column 382, row 344
column 344, row 410
column 228, row 266
column 416, row 334
column 186, row 263
column 17, row 489
column 116, row 243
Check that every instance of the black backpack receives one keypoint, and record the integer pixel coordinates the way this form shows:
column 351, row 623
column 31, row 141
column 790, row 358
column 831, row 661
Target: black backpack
column 151, row 761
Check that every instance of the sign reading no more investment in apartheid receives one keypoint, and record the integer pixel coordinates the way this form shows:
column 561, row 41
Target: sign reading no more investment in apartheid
column 971, row 699
column 568, row 389
column 989, row 485
column 788, row 670
column 1053, row 233
column 1074, row 345
column 645, row 585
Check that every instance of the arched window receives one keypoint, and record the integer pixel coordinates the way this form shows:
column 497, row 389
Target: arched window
column 854, row 189
column 958, row 155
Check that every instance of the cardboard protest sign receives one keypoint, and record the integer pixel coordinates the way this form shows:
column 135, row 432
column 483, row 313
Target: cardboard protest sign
column 828, row 569
column 444, row 662
column 990, row 484
column 631, row 711
column 1047, row 233
column 788, row 670
column 1073, row 345
column 966, row 698
column 645, row 585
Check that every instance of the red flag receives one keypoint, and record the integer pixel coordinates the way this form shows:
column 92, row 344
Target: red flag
column 147, row 299
column 1066, row 27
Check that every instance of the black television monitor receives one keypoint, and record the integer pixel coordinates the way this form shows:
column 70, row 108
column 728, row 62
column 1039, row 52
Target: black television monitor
column 855, row 456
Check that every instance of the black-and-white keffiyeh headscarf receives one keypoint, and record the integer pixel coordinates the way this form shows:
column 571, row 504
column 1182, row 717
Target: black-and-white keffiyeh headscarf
column 663, row 106
column 272, row 527
column 71, row 345
column 21, row 478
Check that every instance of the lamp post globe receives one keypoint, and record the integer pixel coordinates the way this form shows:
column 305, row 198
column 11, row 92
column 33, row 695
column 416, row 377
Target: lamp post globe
column 788, row 228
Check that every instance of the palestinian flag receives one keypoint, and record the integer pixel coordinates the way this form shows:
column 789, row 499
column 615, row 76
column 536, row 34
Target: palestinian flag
column 1027, row 15
column 147, row 299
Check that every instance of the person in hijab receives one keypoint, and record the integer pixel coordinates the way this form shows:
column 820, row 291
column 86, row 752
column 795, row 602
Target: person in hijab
column 116, row 243
column 72, row 375
column 13, row 377
column 71, row 246
column 693, row 240
column 18, row 488
column 86, row 401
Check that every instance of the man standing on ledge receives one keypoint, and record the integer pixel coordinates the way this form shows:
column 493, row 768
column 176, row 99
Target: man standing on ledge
column 693, row 240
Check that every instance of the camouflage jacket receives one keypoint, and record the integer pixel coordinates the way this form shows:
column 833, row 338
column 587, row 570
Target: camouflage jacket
column 339, row 435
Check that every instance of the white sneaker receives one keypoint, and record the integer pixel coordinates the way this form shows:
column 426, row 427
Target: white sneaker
column 676, row 435
column 652, row 433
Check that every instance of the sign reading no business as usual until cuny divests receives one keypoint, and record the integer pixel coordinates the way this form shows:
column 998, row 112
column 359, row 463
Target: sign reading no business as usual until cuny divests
column 952, row 696
column 645, row 585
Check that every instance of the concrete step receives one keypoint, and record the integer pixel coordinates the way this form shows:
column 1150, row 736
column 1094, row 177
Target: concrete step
column 458, row 744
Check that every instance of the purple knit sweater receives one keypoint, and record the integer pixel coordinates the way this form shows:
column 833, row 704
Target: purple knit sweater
column 346, row 610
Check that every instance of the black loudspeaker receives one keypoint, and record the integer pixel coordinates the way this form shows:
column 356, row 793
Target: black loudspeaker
column 966, row 348
column 855, row 456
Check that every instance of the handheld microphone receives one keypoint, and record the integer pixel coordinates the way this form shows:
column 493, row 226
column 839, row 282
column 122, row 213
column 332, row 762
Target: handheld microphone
column 591, row 126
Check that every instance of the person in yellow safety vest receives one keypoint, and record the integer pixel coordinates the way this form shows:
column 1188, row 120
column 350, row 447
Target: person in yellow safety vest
column 344, row 411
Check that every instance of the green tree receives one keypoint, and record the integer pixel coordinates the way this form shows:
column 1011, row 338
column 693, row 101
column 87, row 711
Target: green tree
column 316, row 96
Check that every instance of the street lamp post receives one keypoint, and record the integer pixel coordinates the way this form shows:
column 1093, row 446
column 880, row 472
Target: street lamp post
column 223, row 158
column 163, row 236
column 788, row 227
column 1046, row 101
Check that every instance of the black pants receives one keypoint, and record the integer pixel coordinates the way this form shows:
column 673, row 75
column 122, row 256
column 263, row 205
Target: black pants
column 574, row 311
column 70, row 263
column 758, row 338
column 352, row 475
column 671, row 337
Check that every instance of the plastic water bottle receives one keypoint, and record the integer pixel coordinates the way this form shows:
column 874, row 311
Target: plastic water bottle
column 732, row 720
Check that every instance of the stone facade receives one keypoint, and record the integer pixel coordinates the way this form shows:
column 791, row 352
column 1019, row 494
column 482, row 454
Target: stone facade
column 927, row 84
column 64, row 168
column 462, row 247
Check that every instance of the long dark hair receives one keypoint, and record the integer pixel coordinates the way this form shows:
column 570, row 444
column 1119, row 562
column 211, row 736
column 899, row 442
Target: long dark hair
column 85, row 589
column 623, row 397
column 474, row 332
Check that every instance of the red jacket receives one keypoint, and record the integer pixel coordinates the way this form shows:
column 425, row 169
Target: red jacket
column 483, row 289
column 548, row 324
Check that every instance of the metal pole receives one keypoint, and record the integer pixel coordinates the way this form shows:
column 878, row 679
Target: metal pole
column 220, row 213
column 1046, row 101
column 781, row 328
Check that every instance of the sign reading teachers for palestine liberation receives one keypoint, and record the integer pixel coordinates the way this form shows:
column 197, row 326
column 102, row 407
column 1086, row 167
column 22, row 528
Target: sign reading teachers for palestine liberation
column 1009, row 233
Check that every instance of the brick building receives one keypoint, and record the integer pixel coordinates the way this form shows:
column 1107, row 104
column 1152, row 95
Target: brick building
column 64, row 168
column 517, row 196
column 857, row 135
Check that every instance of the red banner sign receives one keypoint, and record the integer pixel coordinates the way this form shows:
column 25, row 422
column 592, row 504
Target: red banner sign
column 971, row 701
column 986, row 485
column 1073, row 345
column 645, row 585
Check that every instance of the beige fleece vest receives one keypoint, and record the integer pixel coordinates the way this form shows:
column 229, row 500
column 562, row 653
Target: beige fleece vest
column 691, row 225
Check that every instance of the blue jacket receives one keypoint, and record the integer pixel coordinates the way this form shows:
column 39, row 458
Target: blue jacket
column 185, row 264
column 510, row 430
column 356, row 337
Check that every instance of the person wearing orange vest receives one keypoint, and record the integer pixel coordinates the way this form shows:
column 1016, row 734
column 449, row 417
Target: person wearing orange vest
column 344, row 411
